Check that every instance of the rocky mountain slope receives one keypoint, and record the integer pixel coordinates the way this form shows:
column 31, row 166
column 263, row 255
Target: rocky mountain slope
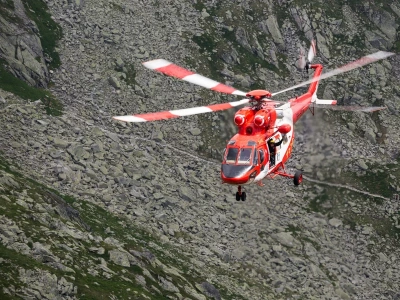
column 92, row 208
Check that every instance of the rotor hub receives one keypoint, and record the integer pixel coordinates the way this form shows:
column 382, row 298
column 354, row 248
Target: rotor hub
column 258, row 95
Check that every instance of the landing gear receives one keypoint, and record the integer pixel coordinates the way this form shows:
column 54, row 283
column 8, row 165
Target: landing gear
column 240, row 195
column 298, row 177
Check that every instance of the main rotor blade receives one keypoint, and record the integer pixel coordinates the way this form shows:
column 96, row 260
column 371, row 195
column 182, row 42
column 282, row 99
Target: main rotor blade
column 353, row 65
column 170, row 69
column 349, row 108
column 169, row 114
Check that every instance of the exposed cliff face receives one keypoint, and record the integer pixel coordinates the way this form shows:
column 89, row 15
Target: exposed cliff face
column 20, row 43
column 336, row 236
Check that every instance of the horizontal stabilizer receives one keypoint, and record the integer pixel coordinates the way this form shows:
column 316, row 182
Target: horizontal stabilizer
column 325, row 102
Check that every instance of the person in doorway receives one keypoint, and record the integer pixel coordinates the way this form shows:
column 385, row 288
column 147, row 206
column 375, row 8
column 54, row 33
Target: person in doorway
column 272, row 150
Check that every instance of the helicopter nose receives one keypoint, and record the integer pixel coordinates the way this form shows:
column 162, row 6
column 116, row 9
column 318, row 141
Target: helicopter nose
column 237, row 174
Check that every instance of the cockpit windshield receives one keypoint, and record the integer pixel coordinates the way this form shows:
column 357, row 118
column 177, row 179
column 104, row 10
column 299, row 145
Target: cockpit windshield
column 240, row 156
column 231, row 155
column 245, row 156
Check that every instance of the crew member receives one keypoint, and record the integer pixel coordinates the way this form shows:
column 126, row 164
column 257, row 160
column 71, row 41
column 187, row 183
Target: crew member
column 272, row 150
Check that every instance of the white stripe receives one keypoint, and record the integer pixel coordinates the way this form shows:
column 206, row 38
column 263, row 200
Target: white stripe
column 318, row 101
column 240, row 102
column 191, row 111
column 157, row 63
column 129, row 119
column 239, row 93
column 201, row 80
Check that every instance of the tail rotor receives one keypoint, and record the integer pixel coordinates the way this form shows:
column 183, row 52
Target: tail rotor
column 302, row 62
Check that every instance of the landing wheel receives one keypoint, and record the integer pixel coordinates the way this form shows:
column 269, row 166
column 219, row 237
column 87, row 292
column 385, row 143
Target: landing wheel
column 243, row 197
column 240, row 195
column 298, row 177
column 237, row 196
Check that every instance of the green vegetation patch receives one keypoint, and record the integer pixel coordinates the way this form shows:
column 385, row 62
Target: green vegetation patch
column 50, row 31
column 10, row 83
column 130, row 74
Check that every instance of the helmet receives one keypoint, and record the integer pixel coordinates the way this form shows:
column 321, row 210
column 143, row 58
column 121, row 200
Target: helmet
column 271, row 141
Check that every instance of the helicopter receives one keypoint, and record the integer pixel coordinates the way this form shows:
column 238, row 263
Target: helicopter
column 264, row 141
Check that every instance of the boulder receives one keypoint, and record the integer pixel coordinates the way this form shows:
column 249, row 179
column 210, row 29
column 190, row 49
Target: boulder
column 273, row 28
column 119, row 258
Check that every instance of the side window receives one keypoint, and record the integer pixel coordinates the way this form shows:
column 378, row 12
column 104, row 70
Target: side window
column 255, row 158
column 261, row 155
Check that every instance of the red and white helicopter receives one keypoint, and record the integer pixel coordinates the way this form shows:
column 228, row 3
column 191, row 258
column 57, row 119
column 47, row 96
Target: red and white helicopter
column 247, row 157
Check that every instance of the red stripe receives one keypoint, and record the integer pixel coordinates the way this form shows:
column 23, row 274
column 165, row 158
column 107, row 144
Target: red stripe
column 175, row 71
column 157, row 116
column 334, row 102
column 223, row 88
column 221, row 106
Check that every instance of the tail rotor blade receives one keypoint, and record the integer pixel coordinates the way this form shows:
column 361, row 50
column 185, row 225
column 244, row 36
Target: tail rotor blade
column 312, row 52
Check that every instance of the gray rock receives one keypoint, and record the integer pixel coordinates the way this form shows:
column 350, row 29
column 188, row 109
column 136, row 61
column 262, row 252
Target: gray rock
column 120, row 63
column 285, row 238
column 186, row 194
column 349, row 288
column 24, row 55
column 209, row 290
column 351, row 126
column 96, row 131
column 141, row 280
column 242, row 39
column 370, row 135
column 114, row 82
column 273, row 28
column 119, row 258
column 195, row 131
column 342, row 294
column 385, row 22
column 189, row 290
column 167, row 285
column 361, row 163
column 59, row 143
column 335, row 222
column 78, row 152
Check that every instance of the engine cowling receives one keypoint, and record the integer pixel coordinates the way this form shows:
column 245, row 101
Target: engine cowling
column 265, row 118
column 243, row 115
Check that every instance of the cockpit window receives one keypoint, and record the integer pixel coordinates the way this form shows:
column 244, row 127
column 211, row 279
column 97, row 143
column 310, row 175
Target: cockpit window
column 255, row 160
column 261, row 155
column 231, row 155
column 245, row 156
